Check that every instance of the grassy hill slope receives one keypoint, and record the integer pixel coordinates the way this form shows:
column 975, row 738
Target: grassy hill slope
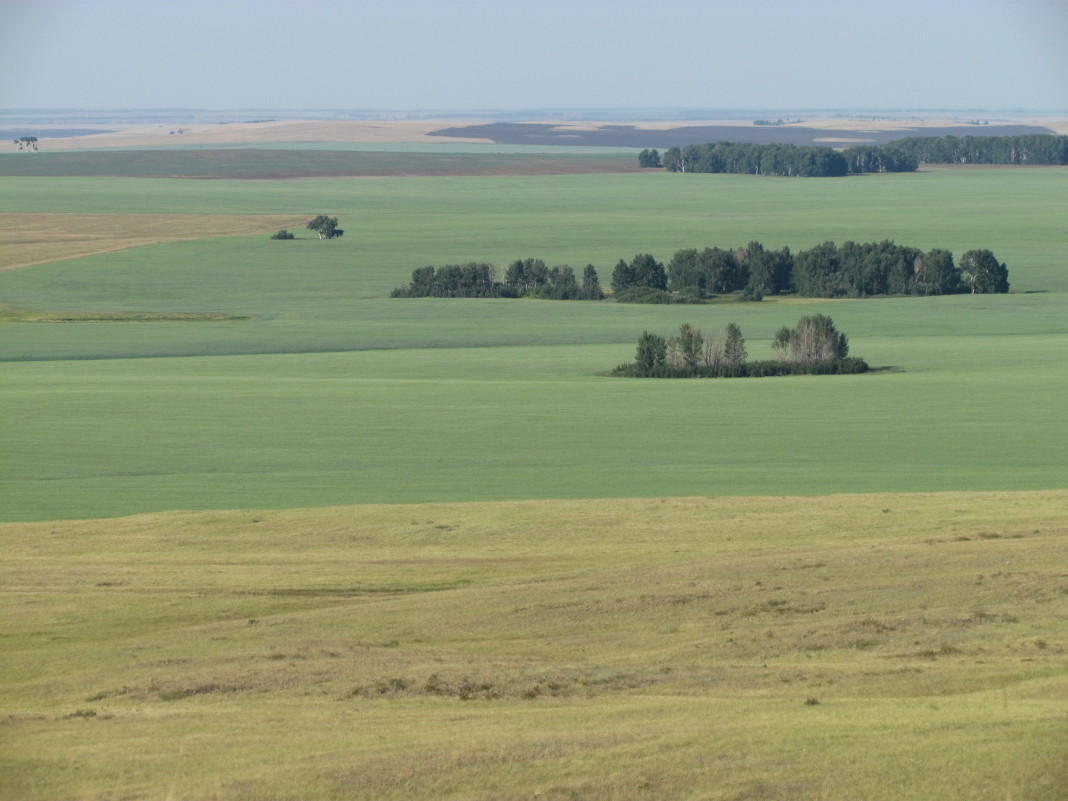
column 874, row 646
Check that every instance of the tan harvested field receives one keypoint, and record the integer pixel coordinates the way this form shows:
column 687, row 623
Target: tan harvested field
column 27, row 239
column 419, row 131
column 256, row 132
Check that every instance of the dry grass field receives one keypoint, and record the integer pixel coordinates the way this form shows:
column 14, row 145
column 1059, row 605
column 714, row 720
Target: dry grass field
column 293, row 131
column 27, row 239
column 884, row 647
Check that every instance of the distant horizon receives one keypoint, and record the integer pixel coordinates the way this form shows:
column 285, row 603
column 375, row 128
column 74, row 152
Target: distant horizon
column 650, row 112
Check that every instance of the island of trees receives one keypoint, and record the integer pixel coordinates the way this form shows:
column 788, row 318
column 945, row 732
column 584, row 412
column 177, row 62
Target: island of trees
column 813, row 347
column 901, row 155
column 750, row 273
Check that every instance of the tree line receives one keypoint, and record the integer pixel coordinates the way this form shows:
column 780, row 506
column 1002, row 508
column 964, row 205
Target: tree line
column 813, row 347
column 1026, row 149
column 900, row 155
column 812, row 161
column 694, row 276
column 524, row 278
column 827, row 270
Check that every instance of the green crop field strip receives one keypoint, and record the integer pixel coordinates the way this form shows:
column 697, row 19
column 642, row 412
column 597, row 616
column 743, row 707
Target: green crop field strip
column 466, row 400
column 538, row 612
column 262, row 162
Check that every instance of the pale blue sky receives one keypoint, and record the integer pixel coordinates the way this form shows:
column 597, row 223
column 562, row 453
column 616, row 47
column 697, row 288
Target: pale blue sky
column 544, row 54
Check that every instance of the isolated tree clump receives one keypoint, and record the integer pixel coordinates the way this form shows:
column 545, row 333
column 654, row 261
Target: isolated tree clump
column 283, row 234
column 813, row 347
column 325, row 226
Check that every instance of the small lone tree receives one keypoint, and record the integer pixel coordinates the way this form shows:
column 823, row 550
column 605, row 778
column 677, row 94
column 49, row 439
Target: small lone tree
column 325, row 226
column 283, row 234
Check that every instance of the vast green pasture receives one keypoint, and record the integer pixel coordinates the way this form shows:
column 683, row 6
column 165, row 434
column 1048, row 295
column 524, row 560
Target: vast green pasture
column 881, row 647
column 104, row 437
column 333, row 393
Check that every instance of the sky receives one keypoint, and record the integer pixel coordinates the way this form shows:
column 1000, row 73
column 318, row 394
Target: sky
column 534, row 54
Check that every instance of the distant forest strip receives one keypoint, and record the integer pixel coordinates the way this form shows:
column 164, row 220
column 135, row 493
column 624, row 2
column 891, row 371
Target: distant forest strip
column 781, row 160
column 826, row 271
column 901, row 155
column 1031, row 149
column 282, row 163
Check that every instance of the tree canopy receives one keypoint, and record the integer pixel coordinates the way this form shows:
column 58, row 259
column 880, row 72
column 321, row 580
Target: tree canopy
column 983, row 272
column 643, row 271
column 900, row 155
column 1026, row 149
column 523, row 278
column 649, row 158
column 785, row 160
column 325, row 226
column 827, row 270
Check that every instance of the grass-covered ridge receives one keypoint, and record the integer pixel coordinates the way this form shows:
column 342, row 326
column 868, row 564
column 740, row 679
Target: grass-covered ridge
column 874, row 646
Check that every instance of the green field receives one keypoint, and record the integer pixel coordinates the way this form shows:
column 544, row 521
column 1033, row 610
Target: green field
column 267, row 533
column 332, row 393
column 295, row 162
